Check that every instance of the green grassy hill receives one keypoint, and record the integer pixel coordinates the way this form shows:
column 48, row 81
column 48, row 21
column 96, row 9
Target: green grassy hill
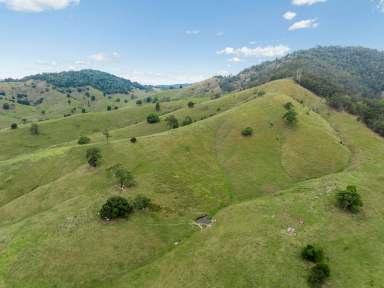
column 255, row 187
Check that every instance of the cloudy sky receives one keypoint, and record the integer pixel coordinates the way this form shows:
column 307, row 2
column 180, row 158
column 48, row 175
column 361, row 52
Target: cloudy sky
column 175, row 41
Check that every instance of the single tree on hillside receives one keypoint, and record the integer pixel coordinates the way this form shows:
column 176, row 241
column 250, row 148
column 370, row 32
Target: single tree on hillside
column 115, row 207
column 191, row 104
column 157, row 107
column 172, row 122
column 35, row 130
column 349, row 199
column 93, row 157
column 290, row 117
column 124, row 176
column 107, row 135
column 187, row 121
column 153, row 118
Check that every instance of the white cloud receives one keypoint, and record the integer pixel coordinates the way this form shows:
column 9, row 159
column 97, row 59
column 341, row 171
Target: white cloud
column 156, row 78
column 289, row 15
column 259, row 52
column 101, row 56
column 192, row 32
column 304, row 24
column 307, row 2
column 46, row 63
column 37, row 5
column 380, row 5
column 235, row 60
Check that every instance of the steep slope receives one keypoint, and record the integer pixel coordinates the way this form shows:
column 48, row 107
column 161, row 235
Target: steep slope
column 250, row 246
column 51, row 235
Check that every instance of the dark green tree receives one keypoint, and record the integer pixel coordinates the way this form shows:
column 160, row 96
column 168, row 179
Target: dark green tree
column 93, row 157
column 115, row 207
column 248, row 131
column 84, row 140
column 319, row 274
column 290, row 117
column 157, row 107
column 124, row 176
column 313, row 253
column 172, row 122
column 191, row 104
column 141, row 202
column 13, row 126
column 35, row 130
column 187, row 121
column 349, row 199
column 153, row 118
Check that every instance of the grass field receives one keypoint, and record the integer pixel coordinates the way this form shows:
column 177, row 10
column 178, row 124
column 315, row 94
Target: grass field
column 256, row 188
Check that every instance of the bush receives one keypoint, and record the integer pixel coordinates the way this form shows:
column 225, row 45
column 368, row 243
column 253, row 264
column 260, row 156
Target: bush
column 141, row 202
column 133, row 140
column 139, row 102
column 290, row 117
column 6, row 106
column 115, row 207
column 157, row 107
column 13, row 126
column 187, row 121
column 84, row 140
column 93, row 157
column 319, row 274
column 191, row 104
column 172, row 122
column 109, row 108
column 35, row 130
column 288, row 106
column 349, row 199
column 247, row 131
column 153, row 118
column 313, row 254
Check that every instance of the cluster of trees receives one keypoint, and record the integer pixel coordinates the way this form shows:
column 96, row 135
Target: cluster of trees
column 102, row 81
column 320, row 271
column 120, row 207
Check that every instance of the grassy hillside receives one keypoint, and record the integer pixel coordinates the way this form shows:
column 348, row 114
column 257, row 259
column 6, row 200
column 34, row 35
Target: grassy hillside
column 256, row 187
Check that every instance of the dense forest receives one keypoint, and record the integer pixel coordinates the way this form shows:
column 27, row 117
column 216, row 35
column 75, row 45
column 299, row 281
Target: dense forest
column 350, row 78
column 102, row 81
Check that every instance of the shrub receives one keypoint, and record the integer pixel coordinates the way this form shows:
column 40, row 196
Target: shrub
column 35, row 130
column 319, row 274
column 93, row 157
column 187, row 121
column 172, row 122
column 109, row 108
column 153, row 118
column 349, row 199
column 288, row 106
column 139, row 102
column 157, row 107
column 247, row 131
column 133, row 140
column 290, row 117
column 313, row 254
column 115, row 207
column 191, row 104
column 84, row 140
column 13, row 126
column 141, row 202
column 83, row 110
column 6, row 106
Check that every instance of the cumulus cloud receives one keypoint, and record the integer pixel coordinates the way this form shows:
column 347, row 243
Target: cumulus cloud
column 37, row 5
column 380, row 5
column 289, row 15
column 156, row 78
column 307, row 2
column 258, row 52
column 192, row 32
column 304, row 24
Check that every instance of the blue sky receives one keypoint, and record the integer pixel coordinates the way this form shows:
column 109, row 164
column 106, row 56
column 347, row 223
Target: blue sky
column 175, row 41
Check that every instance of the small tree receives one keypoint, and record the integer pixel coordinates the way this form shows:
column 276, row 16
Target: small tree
column 191, row 104
column 107, row 135
column 290, row 117
column 35, row 130
column 13, row 126
column 153, row 118
column 247, row 132
column 313, row 253
column 141, row 202
column 133, row 140
column 289, row 106
column 93, row 157
column 139, row 102
column 115, row 207
column 84, row 140
column 157, row 107
column 109, row 108
column 319, row 274
column 6, row 106
column 349, row 199
column 125, row 177
column 172, row 122
column 187, row 121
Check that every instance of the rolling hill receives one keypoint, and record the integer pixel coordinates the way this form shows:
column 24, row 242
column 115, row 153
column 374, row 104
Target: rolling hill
column 256, row 188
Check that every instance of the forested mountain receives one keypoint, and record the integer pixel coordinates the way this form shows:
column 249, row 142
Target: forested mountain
column 350, row 78
column 102, row 81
